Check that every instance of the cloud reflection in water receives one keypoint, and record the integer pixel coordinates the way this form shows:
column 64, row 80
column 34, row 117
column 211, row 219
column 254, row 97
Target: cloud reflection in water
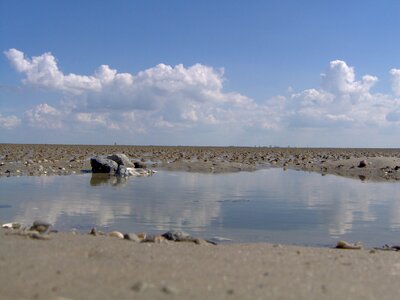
column 268, row 205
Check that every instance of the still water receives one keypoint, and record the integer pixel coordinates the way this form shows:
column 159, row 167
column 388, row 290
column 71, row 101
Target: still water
column 269, row 205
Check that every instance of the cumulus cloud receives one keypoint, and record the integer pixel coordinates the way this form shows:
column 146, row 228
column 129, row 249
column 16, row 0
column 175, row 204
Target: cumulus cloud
column 9, row 122
column 395, row 77
column 340, row 79
column 164, row 96
column 44, row 116
column 341, row 102
column 179, row 98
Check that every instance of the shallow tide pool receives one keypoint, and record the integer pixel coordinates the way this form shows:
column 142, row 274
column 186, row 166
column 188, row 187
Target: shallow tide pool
column 271, row 205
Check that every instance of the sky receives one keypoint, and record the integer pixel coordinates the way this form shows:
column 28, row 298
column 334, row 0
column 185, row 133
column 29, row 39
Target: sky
column 225, row 73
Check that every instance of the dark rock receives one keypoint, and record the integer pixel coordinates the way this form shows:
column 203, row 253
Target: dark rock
column 149, row 238
column 362, row 164
column 121, row 159
column 139, row 165
column 103, row 165
column 177, row 235
column 121, row 171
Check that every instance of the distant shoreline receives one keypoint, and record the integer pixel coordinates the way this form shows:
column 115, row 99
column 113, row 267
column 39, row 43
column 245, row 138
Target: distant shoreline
column 52, row 159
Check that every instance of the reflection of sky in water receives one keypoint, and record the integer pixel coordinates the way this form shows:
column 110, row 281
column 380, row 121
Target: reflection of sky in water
column 268, row 205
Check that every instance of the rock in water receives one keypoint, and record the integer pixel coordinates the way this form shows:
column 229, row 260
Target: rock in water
column 103, row 165
column 124, row 171
column 121, row 159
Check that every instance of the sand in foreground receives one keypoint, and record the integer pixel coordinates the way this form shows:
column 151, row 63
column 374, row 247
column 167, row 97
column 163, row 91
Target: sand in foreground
column 86, row 267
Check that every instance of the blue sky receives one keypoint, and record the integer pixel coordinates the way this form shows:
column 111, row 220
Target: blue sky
column 299, row 73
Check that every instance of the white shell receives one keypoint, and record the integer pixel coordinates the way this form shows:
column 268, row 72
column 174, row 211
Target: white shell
column 116, row 234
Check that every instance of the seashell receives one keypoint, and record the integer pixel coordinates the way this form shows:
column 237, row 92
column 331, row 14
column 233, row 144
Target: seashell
column 116, row 234
column 346, row 245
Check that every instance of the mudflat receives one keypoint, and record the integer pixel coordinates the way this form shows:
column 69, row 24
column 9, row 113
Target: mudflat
column 82, row 266
column 365, row 164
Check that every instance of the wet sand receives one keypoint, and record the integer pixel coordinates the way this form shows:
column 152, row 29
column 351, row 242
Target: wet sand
column 80, row 266
column 72, row 266
column 37, row 160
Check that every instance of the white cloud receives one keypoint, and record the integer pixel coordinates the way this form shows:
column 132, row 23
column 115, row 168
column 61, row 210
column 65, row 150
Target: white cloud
column 43, row 71
column 340, row 79
column 179, row 98
column 44, row 116
column 163, row 96
column 9, row 122
column 395, row 77
column 341, row 102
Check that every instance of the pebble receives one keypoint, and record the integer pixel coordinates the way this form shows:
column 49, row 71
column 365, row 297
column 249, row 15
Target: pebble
column 139, row 286
column 362, row 164
column 169, row 290
column 346, row 245
column 94, row 232
column 116, row 234
column 177, row 235
column 13, row 225
column 40, row 226
column 153, row 239
column 132, row 237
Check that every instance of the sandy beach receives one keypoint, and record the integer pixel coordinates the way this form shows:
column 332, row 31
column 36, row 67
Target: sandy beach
column 81, row 266
column 70, row 266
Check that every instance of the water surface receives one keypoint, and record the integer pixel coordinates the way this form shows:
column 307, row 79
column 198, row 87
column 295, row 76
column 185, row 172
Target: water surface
column 270, row 205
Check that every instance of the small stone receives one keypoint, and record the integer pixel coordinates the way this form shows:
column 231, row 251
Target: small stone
column 116, row 234
column 132, row 237
column 139, row 286
column 153, row 239
column 12, row 225
column 177, row 235
column 346, row 245
column 40, row 226
column 362, row 164
column 142, row 235
column 169, row 290
column 94, row 232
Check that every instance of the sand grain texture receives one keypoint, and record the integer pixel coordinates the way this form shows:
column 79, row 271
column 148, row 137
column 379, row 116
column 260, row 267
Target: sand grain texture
column 85, row 267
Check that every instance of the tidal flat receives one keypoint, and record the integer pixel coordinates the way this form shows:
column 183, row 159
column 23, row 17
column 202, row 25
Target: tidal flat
column 76, row 265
